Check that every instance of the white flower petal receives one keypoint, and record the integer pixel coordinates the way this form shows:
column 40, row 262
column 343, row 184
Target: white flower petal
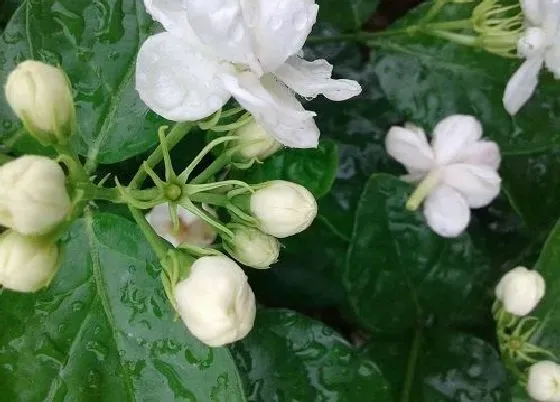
column 486, row 153
column 275, row 108
column 311, row 78
column 171, row 14
column 522, row 84
column 453, row 134
column 551, row 17
column 280, row 28
column 447, row 212
column 552, row 60
column 178, row 82
column 533, row 11
column 159, row 219
column 479, row 185
column 410, row 148
column 221, row 26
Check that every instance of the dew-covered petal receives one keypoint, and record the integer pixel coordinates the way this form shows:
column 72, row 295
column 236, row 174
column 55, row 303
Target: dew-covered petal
column 447, row 212
column 410, row 148
column 312, row 78
column 172, row 14
column 479, row 185
column 177, row 81
column 452, row 135
column 275, row 108
column 522, row 84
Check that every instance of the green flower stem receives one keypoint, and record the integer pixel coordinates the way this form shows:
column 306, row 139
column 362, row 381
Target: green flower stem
column 158, row 244
column 411, row 365
column 461, row 39
column 5, row 159
column 209, row 198
column 212, row 169
column 178, row 132
column 434, row 11
column 93, row 192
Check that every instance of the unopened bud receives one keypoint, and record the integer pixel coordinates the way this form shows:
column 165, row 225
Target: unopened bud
column 41, row 96
column 255, row 142
column 215, row 301
column 543, row 384
column 520, row 290
column 283, row 208
column 33, row 196
column 27, row 264
column 251, row 247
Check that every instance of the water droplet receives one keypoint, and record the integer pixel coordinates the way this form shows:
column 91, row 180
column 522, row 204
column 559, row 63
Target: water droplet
column 77, row 306
column 7, row 124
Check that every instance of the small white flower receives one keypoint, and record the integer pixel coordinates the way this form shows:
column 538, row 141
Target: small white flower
column 520, row 290
column 540, row 46
column 456, row 173
column 33, row 196
column 283, row 208
column 255, row 143
column 250, row 50
column 26, row 264
column 252, row 247
column 544, row 381
column 192, row 229
column 215, row 302
column 41, row 97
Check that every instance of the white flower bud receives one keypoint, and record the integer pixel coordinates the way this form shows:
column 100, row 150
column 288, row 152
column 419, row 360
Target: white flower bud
column 283, row 208
column 520, row 290
column 544, row 382
column 252, row 247
column 33, row 196
column 27, row 264
column 255, row 142
column 192, row 229
column 41, row 97
column 215, row 302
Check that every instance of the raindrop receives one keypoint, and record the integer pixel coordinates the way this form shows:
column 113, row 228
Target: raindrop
column 7, row 124
column 77, row 306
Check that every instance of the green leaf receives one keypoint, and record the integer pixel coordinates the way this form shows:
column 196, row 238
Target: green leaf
column 347, row 15
column 289, row 357
column 427, row 79
column 394, row 256
column 104, row 329
column 315, row 169
column 441, row 366
column 96, row 44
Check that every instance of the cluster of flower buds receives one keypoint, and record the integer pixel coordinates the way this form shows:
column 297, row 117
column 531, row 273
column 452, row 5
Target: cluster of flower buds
column 33, row 197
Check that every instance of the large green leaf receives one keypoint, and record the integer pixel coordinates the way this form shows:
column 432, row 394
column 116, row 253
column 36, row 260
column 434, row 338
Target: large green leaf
column 399, row 272
column 96, row 43
column 104, row 330
column 427, row 79
column 438, row 366
column 346, row 15
column 289, row 357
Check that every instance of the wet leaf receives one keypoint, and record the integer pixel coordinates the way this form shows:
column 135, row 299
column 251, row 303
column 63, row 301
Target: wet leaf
column 293, row 358
column 104, row 329
column 347, row 15
column 96, row 44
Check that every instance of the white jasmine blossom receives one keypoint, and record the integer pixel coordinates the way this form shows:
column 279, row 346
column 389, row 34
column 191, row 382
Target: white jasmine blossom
column 192, row 229
column 213, row 50
column 33, row 196
column 283, row 208
column 27, row 264
column 41, row 96
column 520, row 290
column 539, row 46
column 215, row 302
column 456, row 173
column 252, row 248
column 255, row 143
column 544, row 381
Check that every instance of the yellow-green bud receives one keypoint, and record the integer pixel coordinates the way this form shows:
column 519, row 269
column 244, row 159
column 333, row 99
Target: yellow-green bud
column 255, row 142
column 252, row 248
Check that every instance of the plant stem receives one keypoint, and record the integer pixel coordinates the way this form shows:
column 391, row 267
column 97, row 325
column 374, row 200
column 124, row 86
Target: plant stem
column 208, row 198
column 177, row 133
column 157, row 243
column 212, row 169
column 411, row 366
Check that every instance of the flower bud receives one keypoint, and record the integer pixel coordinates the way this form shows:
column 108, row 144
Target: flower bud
column 520, row 290
column 255, row 143
column 252, row 247
column 215, row 301
column 283, row 208
column 544, row 381
column 192, row 229
column 27, row 264
column 41, row 96
column 33, row 196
